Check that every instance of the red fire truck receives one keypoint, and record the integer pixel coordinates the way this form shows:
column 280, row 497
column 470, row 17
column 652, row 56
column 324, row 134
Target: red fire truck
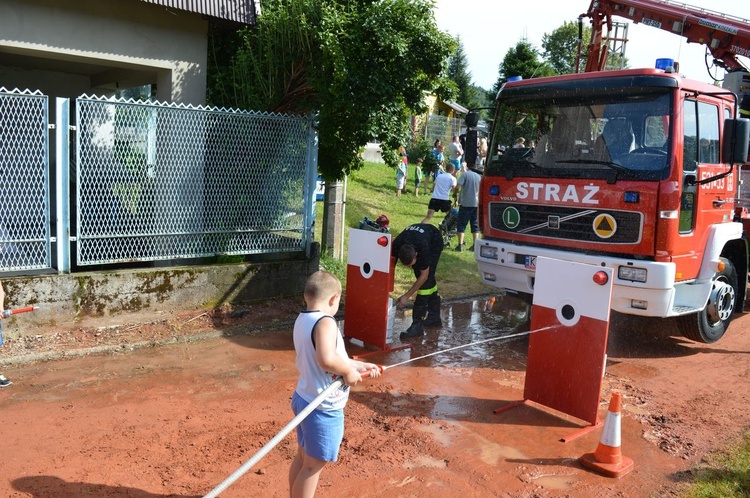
column 638, row 170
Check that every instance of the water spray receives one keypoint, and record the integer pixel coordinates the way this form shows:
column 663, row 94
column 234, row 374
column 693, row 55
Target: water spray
column 476, row 343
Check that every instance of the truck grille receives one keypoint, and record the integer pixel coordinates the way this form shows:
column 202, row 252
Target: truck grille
column 557, row 222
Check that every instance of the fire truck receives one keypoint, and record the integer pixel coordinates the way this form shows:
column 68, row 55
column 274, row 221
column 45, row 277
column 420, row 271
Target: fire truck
column 637, row 170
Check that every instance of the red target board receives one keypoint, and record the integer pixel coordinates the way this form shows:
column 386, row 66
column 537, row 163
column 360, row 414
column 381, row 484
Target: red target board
column 568, row 343
column 369, row 281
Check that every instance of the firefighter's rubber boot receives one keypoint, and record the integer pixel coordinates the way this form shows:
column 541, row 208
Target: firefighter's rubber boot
column 416, row 329
column 433, row 312
column 418, row 314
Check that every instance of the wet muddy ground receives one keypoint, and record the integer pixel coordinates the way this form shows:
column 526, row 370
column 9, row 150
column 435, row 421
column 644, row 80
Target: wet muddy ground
column 177, row 419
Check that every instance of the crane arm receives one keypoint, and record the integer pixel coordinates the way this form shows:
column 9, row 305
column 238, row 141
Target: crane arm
column 725, row 36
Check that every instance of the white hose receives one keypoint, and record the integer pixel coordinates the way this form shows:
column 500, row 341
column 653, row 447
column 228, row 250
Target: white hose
column 276, row 440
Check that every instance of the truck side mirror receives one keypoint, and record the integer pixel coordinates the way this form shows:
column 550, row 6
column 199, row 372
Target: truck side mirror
column 736, row 142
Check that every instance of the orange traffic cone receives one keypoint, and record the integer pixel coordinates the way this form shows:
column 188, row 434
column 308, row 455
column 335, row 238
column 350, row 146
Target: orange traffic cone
column 608, row 459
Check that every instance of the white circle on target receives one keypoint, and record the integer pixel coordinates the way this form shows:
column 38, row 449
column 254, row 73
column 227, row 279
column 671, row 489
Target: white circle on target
column 567, row 313
column 366, row 269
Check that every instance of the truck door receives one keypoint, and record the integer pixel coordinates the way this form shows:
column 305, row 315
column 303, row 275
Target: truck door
column 697, row 208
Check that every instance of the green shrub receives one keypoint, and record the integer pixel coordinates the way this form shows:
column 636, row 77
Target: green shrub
column 423, row 149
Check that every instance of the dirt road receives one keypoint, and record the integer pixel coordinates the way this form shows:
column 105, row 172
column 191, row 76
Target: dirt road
column 175, row 420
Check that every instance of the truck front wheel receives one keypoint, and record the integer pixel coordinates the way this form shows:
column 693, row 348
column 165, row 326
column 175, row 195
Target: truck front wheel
column 709, row 324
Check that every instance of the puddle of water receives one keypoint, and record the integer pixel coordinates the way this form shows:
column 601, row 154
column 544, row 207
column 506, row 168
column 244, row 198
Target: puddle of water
column 491, row 453
column 451, row 407
column 559, row 483
column 472, row 320
column 464, row 322
column 400, row 402
column 509, row 383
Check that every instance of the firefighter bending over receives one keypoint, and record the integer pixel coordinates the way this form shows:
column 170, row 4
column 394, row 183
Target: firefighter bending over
column 419, row 247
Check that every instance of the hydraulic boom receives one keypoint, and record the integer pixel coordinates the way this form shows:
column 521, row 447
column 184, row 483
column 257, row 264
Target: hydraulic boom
column 725, row 36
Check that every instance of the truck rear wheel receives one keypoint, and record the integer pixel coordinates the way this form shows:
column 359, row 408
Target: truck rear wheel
column 709, row 325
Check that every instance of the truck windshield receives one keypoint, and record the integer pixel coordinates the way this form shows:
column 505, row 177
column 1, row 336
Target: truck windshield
column 615, row 137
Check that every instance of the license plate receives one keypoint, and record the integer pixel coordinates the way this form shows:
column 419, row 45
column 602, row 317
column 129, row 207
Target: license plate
column 530, row 262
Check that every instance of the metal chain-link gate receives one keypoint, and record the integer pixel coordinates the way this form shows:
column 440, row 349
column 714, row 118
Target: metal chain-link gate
column 163, row 181
column 24, row 181
column 150, row 181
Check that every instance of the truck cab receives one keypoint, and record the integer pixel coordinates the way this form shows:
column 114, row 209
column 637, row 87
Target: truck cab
column 630, row 170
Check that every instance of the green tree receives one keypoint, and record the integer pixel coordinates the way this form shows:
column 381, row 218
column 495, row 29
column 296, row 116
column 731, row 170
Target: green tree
column 483, row 99
column 522, row 60
column 459, row 73
column 361, row 66
column 561, row 47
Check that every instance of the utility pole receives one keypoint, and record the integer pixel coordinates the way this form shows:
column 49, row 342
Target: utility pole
column 332, row 236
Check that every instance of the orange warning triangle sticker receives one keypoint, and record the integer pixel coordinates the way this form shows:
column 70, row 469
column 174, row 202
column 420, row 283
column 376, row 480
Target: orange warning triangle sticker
column 605, row 226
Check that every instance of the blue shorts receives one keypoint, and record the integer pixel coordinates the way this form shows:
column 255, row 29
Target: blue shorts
column 467, row 215
column 321, row 432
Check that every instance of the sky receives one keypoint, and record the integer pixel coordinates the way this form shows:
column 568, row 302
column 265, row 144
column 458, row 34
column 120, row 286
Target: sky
column 489, row 28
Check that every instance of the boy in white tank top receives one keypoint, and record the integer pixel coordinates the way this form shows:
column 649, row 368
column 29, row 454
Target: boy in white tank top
column 321, row 359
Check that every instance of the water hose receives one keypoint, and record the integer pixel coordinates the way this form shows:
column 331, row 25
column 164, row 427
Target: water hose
column 8, row 313
column 278, row 437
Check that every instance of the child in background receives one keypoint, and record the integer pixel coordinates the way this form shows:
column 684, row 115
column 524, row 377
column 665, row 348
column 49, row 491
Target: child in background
column 321, row 359
column 401, row 171
column 437, row 153
column 418, row 176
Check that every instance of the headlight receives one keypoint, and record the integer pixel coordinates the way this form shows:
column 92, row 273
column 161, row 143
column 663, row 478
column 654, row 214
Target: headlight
column 488, row 252
column 632, row 274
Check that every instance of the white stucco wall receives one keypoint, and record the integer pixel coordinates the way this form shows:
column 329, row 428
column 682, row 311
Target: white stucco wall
column 69, row 47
